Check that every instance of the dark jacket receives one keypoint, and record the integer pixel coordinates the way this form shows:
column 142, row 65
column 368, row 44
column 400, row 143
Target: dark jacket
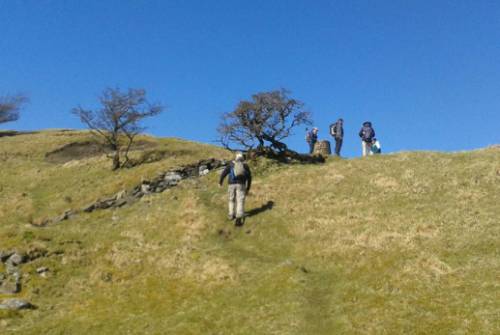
column 312, row 137
column 339, row 129
column 246, row 179
column 367, row 133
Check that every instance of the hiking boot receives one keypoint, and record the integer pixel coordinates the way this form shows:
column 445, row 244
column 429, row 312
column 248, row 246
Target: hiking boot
column 238, row 222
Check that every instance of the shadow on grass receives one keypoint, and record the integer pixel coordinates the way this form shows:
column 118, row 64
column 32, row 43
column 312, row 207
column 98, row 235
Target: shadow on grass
column 265, row 207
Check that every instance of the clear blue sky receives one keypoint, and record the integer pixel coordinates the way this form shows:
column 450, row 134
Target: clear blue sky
column 426, row 73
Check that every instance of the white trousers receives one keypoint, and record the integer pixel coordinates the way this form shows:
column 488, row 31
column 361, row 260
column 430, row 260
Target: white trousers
column 367, row 148
column 236, row 197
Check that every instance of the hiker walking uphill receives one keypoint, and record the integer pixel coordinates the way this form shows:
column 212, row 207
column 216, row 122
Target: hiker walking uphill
column 239, row 180
column 337, row 132
column 311, row 139
column 367, row 134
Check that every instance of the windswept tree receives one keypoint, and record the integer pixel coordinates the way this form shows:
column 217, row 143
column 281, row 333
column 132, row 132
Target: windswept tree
column 263, row 122
column 10, row 107
column 117, row 122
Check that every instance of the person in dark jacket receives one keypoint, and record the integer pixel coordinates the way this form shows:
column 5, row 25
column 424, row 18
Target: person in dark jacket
column 240, row 181
column 312, row 138
column 337, row 131
column 367, row 134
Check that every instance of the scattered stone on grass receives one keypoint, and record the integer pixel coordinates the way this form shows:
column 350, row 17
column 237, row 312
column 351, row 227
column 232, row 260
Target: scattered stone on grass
column 16, row 304
column 160, row 183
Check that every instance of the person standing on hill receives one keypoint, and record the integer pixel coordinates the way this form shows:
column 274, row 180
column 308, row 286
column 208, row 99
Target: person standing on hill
column 337, row 132
column 367, row 133
column 240, row 181
column 311, row 139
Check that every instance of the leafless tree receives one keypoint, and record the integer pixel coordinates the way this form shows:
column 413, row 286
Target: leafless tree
column 10, row 107
column 118, row 120
column 268, row 118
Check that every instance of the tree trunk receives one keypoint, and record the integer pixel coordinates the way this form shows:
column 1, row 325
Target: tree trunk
column 116, row 160
column 116, row 156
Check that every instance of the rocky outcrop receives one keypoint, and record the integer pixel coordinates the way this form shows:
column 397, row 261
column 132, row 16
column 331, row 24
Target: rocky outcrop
column 10, row 281
column 162, row 182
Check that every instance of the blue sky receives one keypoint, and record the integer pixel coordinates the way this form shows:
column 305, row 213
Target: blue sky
column 426, row 73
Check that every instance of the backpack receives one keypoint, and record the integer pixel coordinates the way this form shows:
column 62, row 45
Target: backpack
column 333, row 129
column 238, row 169
column 368, row 134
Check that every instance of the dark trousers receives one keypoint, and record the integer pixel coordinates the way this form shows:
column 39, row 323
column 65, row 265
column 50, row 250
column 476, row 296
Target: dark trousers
column 338, row 145
column 311, row 147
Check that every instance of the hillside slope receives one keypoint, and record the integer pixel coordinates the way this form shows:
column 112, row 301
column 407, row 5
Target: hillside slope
column 405, row 243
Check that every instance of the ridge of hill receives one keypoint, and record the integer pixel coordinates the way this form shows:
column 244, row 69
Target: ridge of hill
column 404, row 243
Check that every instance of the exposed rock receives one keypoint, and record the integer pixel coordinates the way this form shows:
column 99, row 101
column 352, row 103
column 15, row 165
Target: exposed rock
column 89, row 208
column 16, row 304
column 65, row 216
column 40, row 222
column 160, row 183
column 145, row 188
column 120, row 202
column 42, row 269
column 121, row 195
column 4, row 255
column 17, row 259
column 173, row 178
column 10, row 286
column 11, row 269
column 203, row 170
column 36, row 252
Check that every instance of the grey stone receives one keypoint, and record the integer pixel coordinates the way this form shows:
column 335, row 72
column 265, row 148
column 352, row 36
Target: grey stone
column 16, row 259
column 11, row 269
column 145, row 188
column 4, row 255
column 89, row 208
column 203, row 170
column 16, row 304
column 65, row 216
column 42, row 269
column 105, row 203
column 120, row 202
column 10, row 286
column 120, row 195
column 173, row 177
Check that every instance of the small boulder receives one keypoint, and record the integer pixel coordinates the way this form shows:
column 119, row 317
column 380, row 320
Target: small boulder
column 121, row 195
column 42, row 269
column 40, row 222
column 10, row 286
column 4, row 255
column 145, row 188
column 173, row 178
column 16, row 304
column 17, row 259
column 65, row 216
column 203, row 170
column 89, row 208
column 120, row 202
column 11, row 269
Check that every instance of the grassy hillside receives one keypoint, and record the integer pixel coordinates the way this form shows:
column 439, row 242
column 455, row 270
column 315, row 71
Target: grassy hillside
column 395, row 244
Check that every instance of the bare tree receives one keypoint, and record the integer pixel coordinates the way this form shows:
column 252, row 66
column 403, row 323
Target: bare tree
column 118, row 121
column 10, row 107
column 268, row 118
